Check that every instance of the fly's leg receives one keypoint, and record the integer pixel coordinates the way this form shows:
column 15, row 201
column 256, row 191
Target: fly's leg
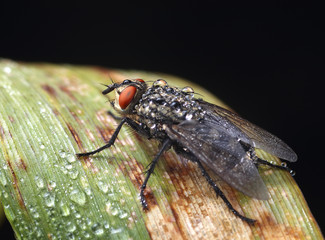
column 283, row 166
column 129, row 121
column 114, row 116
column 222, row 196
column 257, row 161
column 137, row 127
column 216, row 189
column 165, row 146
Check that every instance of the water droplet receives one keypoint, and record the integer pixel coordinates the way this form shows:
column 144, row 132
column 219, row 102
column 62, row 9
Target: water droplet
column 39, row 234
column 78, row 197
column 86, row 235
column 117, row 230
column 77, row 215
column 3, row 179
column 97, row 229
column 82, row 225
column 65, row 171
column 73, row 173
column 42, row 146
column 5, row 195
column 7, row 70
column 283, row 164
column 123, row 215
column 88, row 191
column 114, row 211
column 84, row 182
column 71, row 158
column 71, row 227
column 4, row 167
column 68, row 166
column 106, row 225
column 35, row 214
column 49, row 199
column 70, row 236
column 51, row 185
column 62, row 154
column 102, row 186
column 64, row 209
column 292, row 172
column 39, row 182
column 9, row 212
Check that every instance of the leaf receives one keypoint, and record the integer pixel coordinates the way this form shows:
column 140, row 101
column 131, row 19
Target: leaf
column 50, row 112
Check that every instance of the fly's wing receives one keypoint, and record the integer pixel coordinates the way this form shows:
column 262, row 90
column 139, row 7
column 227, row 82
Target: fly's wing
column 259, row 137
column 222, row 153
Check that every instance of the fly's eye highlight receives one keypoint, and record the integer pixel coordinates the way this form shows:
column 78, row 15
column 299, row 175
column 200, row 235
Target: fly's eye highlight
column 127, row 96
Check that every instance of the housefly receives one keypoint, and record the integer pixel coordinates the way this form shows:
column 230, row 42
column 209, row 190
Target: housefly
column 207, row 134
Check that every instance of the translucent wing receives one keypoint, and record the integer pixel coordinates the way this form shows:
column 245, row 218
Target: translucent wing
column 222, row 153
column 258, row 136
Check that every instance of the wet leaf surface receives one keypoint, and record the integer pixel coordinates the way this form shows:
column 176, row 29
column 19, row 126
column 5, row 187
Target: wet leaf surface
column 50, row 112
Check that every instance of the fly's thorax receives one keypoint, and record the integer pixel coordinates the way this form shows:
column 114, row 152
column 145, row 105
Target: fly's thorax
column 164, row 104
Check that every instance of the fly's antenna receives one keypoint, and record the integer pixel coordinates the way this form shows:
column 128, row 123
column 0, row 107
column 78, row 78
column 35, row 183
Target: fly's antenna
column 109, row 75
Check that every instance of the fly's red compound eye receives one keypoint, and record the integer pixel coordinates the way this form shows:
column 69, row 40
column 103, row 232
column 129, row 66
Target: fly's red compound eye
column 139, row 79
column 127, row 96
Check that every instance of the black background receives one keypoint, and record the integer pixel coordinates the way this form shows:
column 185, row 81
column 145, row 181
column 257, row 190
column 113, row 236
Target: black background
column 265, row 61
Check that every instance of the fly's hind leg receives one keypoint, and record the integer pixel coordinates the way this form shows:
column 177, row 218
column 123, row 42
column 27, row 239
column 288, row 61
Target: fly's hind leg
column 283, row 166
column 258, row 161
column 216, row 189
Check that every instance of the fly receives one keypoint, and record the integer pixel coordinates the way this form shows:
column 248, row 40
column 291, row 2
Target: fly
column 202, row 132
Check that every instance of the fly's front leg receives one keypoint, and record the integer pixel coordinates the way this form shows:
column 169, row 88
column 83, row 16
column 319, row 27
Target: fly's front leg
column 114, row 116
column 137, row 127
column 113, row 138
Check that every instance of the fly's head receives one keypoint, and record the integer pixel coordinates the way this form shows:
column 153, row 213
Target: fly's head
column 127, row 94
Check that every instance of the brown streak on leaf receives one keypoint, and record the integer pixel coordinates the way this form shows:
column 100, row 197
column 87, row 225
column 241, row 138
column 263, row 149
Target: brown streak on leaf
column 178, row 222
column 2, row 132
column 75, row 136
column 105, row 133
column 22, row 164
column 11, row 119
column 102, row 70
column 139, row 138
column 270, row 229
column 56, row 112
column 134, row 173
column 15, row 185
column 74, row 115
column 87, row 164
column 50, row 90
column 159, row 221
column 49, row 236
column 68, row 92
column 196, row 209
column 136, row 176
